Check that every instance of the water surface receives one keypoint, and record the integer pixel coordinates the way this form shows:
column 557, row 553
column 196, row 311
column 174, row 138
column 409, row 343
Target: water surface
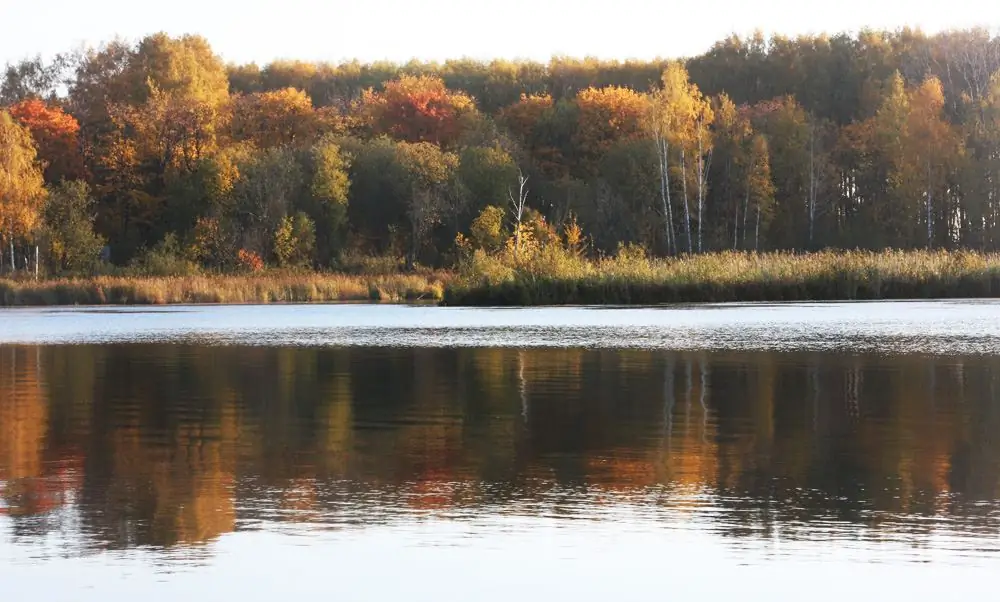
column 752, row 452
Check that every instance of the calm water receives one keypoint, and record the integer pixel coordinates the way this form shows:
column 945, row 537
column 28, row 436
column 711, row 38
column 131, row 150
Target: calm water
column 750, row 452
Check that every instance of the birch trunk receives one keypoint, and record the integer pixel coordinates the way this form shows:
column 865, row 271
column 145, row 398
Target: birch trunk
column 663, row 148
column 700, row 171
column 687, row 208
column 930, row 208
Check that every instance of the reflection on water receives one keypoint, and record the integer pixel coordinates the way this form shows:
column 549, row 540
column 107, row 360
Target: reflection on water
column 164, row 449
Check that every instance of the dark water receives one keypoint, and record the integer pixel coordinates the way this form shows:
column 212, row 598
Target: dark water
column 826, row 452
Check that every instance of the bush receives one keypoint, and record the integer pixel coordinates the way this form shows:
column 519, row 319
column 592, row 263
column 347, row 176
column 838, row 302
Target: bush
column 165, row 259
column 295, row 241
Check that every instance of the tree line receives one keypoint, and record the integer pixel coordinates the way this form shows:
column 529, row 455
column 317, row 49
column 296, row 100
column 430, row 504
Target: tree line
column 159, row 155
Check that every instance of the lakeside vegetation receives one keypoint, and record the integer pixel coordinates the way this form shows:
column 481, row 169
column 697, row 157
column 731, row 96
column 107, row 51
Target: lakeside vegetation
column 741, row 173
column 631, row 277
column 261, row 288
column 556, row 276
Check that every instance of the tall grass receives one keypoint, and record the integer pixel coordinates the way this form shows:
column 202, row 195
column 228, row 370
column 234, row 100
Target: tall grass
column 554, row 278
column 262, row 288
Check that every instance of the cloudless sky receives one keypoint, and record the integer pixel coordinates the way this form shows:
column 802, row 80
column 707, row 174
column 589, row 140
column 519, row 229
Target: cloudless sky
column 262, row 30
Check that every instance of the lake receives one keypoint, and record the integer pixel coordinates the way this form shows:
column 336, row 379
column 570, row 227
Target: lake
column 712, row 452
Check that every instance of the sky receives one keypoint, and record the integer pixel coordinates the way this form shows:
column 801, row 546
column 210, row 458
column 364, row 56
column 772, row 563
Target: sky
column 334, row 30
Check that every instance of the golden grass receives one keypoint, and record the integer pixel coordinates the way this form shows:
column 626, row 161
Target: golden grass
column 632, row 278
column 263, row 288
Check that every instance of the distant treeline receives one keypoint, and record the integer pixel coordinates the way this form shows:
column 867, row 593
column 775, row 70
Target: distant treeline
column 170, row 161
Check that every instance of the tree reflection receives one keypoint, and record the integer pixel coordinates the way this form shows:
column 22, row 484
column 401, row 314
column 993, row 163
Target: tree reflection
column 171, row 445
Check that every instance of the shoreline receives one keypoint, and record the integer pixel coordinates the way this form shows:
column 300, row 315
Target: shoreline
column 223, row 290
column 609, row 282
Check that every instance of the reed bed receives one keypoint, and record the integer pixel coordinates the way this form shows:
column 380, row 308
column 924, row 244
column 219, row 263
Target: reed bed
column 250, row 289
column 632, row 278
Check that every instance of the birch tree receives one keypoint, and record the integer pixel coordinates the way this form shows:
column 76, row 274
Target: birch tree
column 22, row 191
column 519, row 203
column 676, row 119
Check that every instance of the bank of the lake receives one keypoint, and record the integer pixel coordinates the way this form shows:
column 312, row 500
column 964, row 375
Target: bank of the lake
column 630, row 279
column 560, row 279
column 264, row 288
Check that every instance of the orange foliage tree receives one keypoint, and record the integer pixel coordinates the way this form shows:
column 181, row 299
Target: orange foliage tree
column 278, row 118
column 55, row 133
column 533, row 121
column 607, row 116
column 418, row 109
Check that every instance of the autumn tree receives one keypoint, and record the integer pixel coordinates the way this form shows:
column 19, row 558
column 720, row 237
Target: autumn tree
column 678, row 120
column 933, row 150
column 33, row 79
column 545, row 129
column 55, row 135
column 268, row 188
column 485, row 174
column 430, row 175
column 295, row 241
column 276, row 118
column 418, row 109
column 69, row 213
column 606, row 116
column 22, row 189
column 329, row 188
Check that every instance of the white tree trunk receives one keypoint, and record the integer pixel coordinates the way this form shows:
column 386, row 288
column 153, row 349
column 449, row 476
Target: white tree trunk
column 746, row 202
column 701, row 194
column 687, row 208
column 663, row 148
column 930, row 208
column 519, row 205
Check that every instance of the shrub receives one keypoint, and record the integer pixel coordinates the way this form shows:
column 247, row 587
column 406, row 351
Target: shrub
column 165, row 259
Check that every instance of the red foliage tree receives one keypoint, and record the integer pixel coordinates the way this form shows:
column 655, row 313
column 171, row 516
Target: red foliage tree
column 418, row 109
column 55, row 133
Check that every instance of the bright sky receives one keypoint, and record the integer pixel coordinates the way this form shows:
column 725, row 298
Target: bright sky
column 262, row 30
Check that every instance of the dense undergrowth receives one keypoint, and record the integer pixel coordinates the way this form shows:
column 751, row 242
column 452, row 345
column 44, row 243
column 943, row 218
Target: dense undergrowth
column 554, row 277
column 257, row 288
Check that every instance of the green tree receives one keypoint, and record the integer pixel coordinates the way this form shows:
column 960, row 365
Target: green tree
column 295, row 241
column 487, row 231
column 329, row 191
column 69, row 215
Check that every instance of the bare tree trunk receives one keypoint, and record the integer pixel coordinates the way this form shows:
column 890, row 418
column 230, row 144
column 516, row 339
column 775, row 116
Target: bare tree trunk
column 700, row 168
column 663, row 149
column 746, row 204
column 687, row 208
column 519, row 205
column 812, row 183
column 36, row 263
column 661, row 156
column 930, row 208
column 756, row 233
column 13, row 261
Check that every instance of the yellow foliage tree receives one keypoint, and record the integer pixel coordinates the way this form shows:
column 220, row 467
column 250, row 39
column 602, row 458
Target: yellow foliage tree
column 22, row 190
column 678, row 118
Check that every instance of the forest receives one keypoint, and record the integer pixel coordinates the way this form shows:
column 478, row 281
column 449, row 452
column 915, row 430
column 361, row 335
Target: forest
column 158, row 157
